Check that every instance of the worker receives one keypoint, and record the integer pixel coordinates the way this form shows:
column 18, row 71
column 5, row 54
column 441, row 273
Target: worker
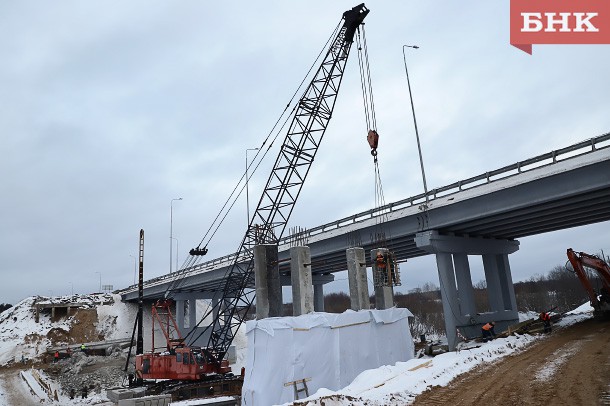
column 380, row 261
column 83, row 348
column 56, row 356
column 381, row 268
column 83, row 392
column 546, row 319
column 488, row 332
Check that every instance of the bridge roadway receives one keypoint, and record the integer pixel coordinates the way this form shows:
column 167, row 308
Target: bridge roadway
column 561, row 189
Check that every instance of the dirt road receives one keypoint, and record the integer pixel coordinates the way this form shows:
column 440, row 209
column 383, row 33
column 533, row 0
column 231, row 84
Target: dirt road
column 13, row 390
column 570, row 367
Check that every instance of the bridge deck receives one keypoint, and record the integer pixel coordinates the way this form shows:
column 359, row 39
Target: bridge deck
column 561, row 189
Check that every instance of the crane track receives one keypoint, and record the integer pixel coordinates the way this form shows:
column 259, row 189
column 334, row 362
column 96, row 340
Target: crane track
column 183, row 390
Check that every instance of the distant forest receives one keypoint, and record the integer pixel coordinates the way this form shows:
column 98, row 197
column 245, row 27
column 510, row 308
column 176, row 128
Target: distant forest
column 559, row 288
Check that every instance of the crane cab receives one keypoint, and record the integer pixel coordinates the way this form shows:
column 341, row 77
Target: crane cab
column 180, row 363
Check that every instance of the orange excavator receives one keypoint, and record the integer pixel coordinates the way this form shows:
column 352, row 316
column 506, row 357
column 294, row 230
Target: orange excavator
column 600, row 302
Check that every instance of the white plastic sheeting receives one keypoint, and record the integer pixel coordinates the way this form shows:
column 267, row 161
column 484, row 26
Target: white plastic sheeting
column 327, row 349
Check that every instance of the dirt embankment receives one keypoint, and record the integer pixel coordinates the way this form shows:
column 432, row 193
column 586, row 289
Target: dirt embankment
column 570, row 367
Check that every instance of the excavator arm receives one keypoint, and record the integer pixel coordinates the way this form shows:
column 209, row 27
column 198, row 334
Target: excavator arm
column 579, row 261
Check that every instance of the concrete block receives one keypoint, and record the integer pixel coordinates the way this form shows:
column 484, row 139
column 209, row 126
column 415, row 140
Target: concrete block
column 157, row 400
column 116, row 394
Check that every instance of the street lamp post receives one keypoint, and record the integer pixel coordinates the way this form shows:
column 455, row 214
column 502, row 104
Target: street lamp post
column 247, row 197
column 421, row 160
column 100, row 280
column 171, row 215
column 175, row 239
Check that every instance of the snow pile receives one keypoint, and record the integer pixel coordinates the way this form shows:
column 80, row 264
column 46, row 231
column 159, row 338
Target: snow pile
column 23, row 339
column 198, row 402
column 21, row 336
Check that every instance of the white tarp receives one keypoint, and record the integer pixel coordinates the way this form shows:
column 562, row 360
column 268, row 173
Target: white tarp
column 327, row 349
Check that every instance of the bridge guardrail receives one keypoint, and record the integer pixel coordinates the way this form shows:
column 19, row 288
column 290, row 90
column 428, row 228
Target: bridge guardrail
column 548, row 158
column 562, row 154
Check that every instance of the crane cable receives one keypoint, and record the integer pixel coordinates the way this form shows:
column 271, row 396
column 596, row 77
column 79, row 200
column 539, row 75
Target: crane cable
column 369, row 110
column 193, row 260
column 237, row 191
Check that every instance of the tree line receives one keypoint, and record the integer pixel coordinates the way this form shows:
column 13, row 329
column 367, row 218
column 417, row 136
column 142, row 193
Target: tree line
column 559, row 289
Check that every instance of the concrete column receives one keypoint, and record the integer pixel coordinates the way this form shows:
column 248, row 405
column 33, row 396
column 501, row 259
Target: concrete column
column 506, row 283
column 300, row 274
column 494, row 289
column 192, row 313
column 449, row 296
column 464, row 284
column 267, row 282
column 180, row 314
column 384, row 295
column 356, row 274
column 53, row 313
column 318, row 297
column 215, row 307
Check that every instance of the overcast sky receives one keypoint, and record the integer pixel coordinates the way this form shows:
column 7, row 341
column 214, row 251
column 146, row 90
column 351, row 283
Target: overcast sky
column 108, row 111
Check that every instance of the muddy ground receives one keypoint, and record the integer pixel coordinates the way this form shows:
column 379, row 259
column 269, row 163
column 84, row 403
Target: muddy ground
column 570, row 367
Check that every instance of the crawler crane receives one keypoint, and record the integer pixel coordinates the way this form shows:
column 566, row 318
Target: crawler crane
column 309, row 123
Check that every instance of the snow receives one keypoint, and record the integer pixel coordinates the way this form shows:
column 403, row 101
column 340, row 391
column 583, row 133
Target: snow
column 198, row 402
column 33, row 384
column 400, row 383
column 389, row 384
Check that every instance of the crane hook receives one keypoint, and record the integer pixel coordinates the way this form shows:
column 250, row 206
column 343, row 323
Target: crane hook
column 373, row 140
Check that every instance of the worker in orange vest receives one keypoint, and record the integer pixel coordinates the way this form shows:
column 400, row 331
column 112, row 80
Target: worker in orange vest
column 546, row 319
column 488, row 331
column 56, row 356
column 381, row 267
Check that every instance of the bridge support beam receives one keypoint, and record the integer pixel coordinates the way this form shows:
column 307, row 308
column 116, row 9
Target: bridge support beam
column 356, row 275
column 384, row 295
column 189, row 301
column 455, row 280
column 267, row 281
column 300, row 274
column 318, row 297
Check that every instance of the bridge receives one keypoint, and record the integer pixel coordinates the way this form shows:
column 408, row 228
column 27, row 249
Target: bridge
column 482, row 215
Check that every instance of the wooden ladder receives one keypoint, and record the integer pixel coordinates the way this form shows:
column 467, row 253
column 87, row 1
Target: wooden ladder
column 295, row 384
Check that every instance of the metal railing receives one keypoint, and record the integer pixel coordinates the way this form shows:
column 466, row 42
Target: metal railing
column 549, row 158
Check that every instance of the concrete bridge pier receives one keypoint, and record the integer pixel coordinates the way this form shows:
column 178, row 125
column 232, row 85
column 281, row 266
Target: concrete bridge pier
column 457, row 292
column 189, row 301
column 356, row 275
column 384, row 294
column 267, row 281
column 301, row 278
column 318, row 296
